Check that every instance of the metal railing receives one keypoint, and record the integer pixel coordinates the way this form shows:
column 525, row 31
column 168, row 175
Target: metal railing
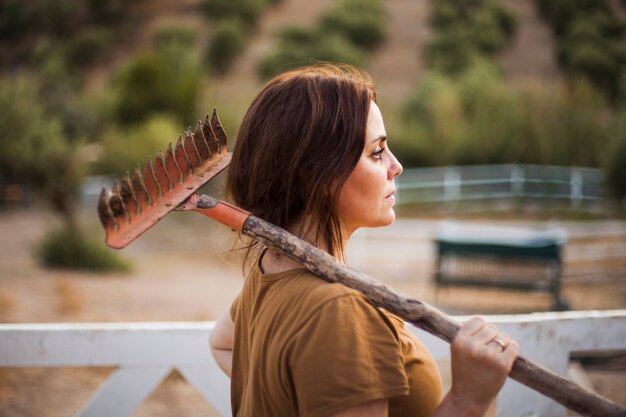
column 454, row 184
column 145, row 353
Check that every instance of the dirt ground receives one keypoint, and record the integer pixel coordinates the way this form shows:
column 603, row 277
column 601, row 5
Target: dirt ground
column 183, row 271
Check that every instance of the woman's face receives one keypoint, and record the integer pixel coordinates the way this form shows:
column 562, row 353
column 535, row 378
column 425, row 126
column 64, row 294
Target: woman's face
column 368, row 196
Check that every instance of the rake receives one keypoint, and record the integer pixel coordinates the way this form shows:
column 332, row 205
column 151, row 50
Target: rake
column 135, row 204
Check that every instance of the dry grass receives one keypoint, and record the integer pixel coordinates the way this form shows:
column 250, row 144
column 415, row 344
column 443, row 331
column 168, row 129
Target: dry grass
column 7, row 304
column 71, row 298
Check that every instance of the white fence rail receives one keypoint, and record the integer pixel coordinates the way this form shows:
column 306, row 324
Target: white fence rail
column 145, row 353
column 454, row 184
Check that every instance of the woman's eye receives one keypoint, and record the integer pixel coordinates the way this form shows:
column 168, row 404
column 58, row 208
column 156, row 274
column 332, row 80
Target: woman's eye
column 378, row 153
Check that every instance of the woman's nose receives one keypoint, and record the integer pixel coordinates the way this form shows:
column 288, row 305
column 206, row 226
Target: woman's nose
column 395, row 167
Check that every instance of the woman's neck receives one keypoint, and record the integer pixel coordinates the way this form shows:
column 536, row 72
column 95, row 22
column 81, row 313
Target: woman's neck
column 274, row 262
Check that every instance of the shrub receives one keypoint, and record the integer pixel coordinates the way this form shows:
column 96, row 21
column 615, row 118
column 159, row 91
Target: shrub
column 176, row 38
column 84, row 49
column 474, row 119
column 561, row 13
column 52, row 17
column 228, row 40
column 70, row 248
column 591, row 44
column 360, row 21
column 248, row 11
column 33, row 145
column 106, row 12
column 466, row 32
column 345, row 33
column 48, row 58
column 450, row 52
column 163, row 82
column 123, row 149
column 298, row 47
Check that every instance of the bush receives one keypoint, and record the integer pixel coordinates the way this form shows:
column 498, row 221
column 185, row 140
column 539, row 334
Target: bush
column 298, row 47
column 175, row 38
column 561, row 13
column 362, row 22
column 248, row 11
column 51, row 17
column 70, row 248
column 345, row 34
column 34, row 149
column 84, row 49
column 466, row 32
column 123, row 149
column 450, row 52
column 106, row 12
column 228, row 40
column 591, row 44
column 163, row 82
column 474, row 119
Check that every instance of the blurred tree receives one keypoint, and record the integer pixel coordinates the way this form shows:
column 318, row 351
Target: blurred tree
column 248, row 11
column 299, row 46
column 362, row 22
column 164, row 81
column 34, row 149
column 123, row 148
column 36, row 152
column 228, row 40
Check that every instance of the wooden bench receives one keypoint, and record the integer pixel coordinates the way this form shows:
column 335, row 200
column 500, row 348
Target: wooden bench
column 510, row 258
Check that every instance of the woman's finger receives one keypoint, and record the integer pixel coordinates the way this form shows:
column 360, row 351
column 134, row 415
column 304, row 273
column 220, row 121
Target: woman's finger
column 471, row 327
column 500, row 341
column 486, row 334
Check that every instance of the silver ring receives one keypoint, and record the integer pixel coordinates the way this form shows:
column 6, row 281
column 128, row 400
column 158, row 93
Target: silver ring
column 501, row 343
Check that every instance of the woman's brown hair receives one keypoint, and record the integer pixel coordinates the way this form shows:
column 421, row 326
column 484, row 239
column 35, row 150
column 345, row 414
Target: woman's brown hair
column 298, row 143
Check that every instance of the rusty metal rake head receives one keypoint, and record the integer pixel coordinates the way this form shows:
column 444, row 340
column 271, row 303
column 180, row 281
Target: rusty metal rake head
column 135, row 204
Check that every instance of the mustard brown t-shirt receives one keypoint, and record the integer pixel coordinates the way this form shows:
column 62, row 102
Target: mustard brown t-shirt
column 307, row 348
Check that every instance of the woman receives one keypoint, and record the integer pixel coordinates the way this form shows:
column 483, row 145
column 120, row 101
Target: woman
column 312, row 157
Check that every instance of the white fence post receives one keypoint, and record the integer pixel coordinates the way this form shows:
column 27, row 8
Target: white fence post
column 517, row 181
column 452, row 185
column 576, row 187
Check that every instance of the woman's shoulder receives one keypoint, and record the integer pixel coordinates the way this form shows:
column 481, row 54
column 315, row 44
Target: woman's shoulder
column 303, row 291
column 318, row 289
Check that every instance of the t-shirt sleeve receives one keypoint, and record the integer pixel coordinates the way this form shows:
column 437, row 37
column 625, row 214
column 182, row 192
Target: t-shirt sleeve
column 234, row 307
column 347, row 353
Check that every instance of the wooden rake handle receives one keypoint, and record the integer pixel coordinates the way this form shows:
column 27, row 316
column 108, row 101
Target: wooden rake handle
column 414, row 311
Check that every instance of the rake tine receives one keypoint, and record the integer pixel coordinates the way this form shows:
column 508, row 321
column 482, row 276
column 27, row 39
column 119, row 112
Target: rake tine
column 136, row 204
column 171, row 166
column 201, row 145
column 143, row 197
column 192, row 152
column 151, row 183
column 117, row 204
column 160, row 173
column 209, row 135
column 181, row 159
column 218, row 130
column 104, row 211
column 128, row 197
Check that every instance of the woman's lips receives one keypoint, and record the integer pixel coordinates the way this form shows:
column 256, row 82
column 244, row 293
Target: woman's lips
column 391, row 197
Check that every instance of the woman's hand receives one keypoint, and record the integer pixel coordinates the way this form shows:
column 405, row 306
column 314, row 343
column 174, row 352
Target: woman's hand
column 482, row 357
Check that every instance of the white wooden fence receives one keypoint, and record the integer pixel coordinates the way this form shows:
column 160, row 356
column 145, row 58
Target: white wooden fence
column 452, row 185
column 145, row 353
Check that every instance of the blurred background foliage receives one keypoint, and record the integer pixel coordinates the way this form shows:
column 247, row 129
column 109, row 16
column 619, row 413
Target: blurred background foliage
column 345, row 33
column 87, row 88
